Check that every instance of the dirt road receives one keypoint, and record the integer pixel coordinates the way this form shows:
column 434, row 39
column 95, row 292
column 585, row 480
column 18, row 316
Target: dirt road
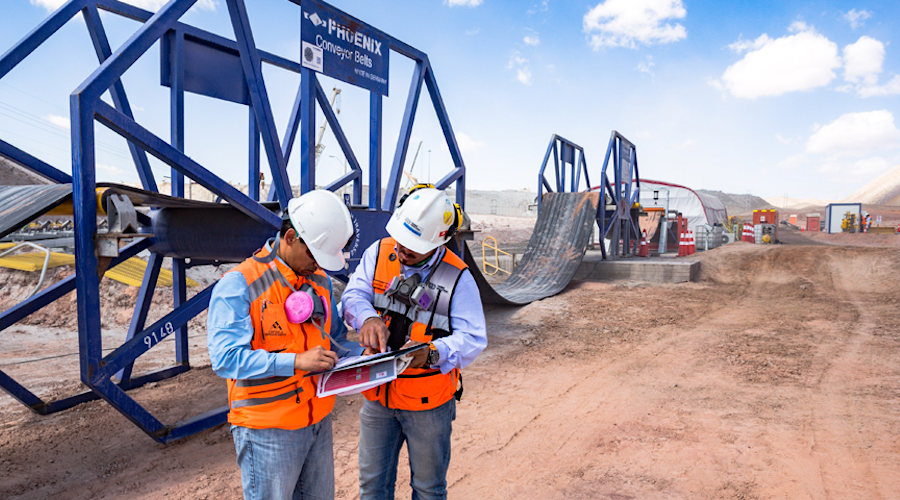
column 775, row 377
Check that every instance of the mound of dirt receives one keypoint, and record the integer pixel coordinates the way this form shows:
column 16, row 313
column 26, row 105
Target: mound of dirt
column 775, row 376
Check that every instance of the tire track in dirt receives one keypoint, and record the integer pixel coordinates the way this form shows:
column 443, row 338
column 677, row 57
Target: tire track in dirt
column 844, row 409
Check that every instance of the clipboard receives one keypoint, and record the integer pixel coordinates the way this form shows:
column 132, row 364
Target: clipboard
column 363, row 373
column 368, row 360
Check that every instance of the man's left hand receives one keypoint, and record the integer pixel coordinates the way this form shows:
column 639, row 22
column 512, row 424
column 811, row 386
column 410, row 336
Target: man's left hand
column 419, row 357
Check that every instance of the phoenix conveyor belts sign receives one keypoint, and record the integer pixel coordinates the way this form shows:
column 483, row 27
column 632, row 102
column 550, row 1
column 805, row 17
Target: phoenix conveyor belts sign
column 342, row 47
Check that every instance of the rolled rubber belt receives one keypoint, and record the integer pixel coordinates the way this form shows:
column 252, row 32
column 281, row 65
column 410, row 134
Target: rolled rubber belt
column 560, row 239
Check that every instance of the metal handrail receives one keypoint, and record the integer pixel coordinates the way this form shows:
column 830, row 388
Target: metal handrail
column 497, row 252
column 46, row 262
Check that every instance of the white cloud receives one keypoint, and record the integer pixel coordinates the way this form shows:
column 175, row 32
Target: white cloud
column 532, row 40
column 520, row 64
column 625, row 23
column 687, row 144
column 151, row 5
column 784, row 140
column 857, row 18
column 516, row 59
column 646, row 67
column 890, row 88
column 473, row 32
column 745, row 45
column 464, row 3
column 793, row 162
column 855, row 134
column 799, row 27
column 59, row 121
column 863, row 60
column 868, row 167
column 523, row 75
column 542, row 7
column 467, row 144
column 798, row 62
column 109, row 169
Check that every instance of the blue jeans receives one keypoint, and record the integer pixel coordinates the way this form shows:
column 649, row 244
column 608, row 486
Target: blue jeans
column 281, row 464
column 382, row 432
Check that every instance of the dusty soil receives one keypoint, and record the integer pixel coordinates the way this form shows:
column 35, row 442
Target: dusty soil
column 775, row 377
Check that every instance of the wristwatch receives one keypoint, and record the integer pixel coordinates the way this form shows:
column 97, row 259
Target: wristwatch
column 433, row 356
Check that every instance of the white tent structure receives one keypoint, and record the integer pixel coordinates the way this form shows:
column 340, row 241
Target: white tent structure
column 699, row 209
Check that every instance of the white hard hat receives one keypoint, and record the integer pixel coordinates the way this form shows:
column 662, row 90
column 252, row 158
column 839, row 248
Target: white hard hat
column 323, row 222
column 425, row 220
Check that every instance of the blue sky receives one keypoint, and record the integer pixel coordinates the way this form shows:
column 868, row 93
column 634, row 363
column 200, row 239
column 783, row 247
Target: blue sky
column 769, row 97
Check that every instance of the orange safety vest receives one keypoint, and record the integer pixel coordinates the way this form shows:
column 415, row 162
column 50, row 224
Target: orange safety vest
column 416, row 388
column 278, row 402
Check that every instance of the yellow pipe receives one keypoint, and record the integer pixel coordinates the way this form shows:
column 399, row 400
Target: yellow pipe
column 66, row 207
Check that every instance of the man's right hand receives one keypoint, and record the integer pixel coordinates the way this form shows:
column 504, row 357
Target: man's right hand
column 374, row 334
column 315, row 359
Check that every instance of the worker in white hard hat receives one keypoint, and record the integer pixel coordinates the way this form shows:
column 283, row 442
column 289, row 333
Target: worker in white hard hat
column 410, row 289
column 271, row 320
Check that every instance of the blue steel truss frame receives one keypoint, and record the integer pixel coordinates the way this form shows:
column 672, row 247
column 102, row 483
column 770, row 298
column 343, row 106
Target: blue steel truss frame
column 86, row 109
column 615, row 217
column 568, row 157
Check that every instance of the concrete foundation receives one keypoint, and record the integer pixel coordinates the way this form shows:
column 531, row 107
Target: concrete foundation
column 652, row 269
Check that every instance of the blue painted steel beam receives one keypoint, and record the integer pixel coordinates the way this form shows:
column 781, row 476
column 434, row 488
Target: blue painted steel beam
column 34, row 164
column 39, row 35
column 455, row 154
column 120, row 99
column 162, row 150
column 355, row 173
column 307, row 131
column 142, row 306
column 195, row 424
column 60, row 288
column 141, row 15
column 151, row 336
column 19, row 392
column 85, row 215
column 92, row 89
column 409, row 115
column 562, row 149
column 118, row 399
column 176, row 104
column 287, row 142
column 376, row 108
column 260, row 99
column 253, row 181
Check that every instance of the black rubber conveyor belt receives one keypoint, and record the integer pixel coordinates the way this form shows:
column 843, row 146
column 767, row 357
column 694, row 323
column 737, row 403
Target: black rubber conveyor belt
column 20, row 205
column 557, row 246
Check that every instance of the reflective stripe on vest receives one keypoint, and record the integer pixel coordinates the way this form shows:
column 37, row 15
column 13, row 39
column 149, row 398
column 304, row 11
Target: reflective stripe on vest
column 253, row 382
column 241, row 403
column 278, row 402
column 417, row 389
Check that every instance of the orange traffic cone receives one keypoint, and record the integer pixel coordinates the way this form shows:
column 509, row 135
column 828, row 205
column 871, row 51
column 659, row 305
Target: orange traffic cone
column 681, row 247
column 691, row 248
column 645, row 248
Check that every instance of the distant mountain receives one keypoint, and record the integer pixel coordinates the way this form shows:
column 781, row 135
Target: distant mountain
column 884, row 190
column 738, row 204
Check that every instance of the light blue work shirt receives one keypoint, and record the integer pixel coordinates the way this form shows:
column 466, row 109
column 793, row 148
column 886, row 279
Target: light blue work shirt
column 230, row 330
column 469, row 336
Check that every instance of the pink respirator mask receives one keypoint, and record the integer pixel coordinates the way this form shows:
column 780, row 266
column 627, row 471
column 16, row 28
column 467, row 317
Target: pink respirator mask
column 306, row 305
